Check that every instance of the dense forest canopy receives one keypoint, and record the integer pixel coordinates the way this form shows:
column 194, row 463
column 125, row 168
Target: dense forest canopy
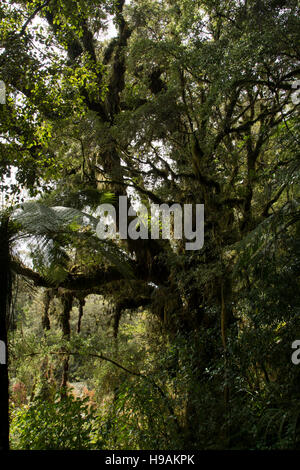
column 184, row 102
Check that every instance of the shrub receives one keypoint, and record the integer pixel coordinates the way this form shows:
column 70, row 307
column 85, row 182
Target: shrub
column 65, row 423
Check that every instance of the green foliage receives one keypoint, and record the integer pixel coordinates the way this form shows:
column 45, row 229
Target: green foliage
column 138, row 419
column 66, row 424
column 190, row 102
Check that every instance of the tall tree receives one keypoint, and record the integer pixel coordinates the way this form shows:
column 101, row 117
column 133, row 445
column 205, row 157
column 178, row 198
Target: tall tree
column 188, row 103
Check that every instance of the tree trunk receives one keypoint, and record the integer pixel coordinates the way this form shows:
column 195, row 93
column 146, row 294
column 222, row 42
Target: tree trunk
column 67, row 303
column 81, row 305
column 4, row 307
column 45, row 315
